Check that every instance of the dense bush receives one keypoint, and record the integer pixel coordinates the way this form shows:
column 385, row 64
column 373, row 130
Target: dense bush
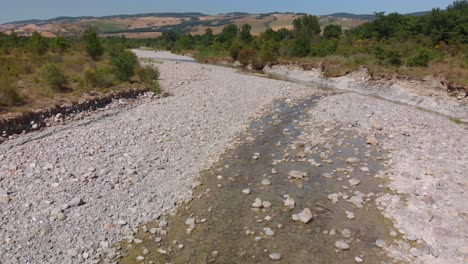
column 125, row 64
column 101, row 77
column 148, row 74
column 9, row 95
column 54, row 77
column 421, row 58
column 332, row 31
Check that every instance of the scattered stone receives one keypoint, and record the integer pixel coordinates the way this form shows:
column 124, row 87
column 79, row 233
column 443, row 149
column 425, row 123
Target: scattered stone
column 4, row 197
column 358, row 260
column 296, row 175
column 163, row 223
column 266, row 204
column 380, row 243
column 371, row 140
column 349, row 215
column 340, row 244
column 354, row 182
column 122, row 222
column 352, row 160
column 268, row 231
column 346, row 233
column 275, row 256
column 305, row 216
column 376, row 125
column 72, row 253
column 266, row 182
column 364, row 169
column 246, row 191
column 289, row 202
column 257, row 203
column 140, row 258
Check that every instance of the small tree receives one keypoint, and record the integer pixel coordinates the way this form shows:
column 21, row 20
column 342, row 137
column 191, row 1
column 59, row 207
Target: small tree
column 332, row 31
column 37, row 43
column 125, row 64
column 308, row 25
column 93, row 46
column 245, row 33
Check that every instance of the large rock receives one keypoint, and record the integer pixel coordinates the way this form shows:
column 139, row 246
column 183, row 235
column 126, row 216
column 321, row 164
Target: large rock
column 305, row 216
column 296, row 175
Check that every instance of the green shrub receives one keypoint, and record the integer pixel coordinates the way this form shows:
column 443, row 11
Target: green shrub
column 421, row 58
column 37, row 44
column 101, row 77
column 54, row 76
column 148, row 73
column 155, row 87
column 9, row 95
column 332, row 31
column 394, row 58
column 258, row 63
column 125, row 64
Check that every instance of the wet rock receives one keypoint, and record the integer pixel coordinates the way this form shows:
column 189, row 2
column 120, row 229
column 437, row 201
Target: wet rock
column 289, row 202
column 354, row 182
column 275, row 256
column 268, row 231
column 305, row 216
column 266, row 204
column 257, row 203
column 380, row 243
column 349, row 215
column 346, row 233
column 266, row 182
column 352, row 160
column 296, row 175
column 340, row 244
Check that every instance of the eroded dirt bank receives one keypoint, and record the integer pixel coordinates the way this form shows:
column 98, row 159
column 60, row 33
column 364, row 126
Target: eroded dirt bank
column 428, row 93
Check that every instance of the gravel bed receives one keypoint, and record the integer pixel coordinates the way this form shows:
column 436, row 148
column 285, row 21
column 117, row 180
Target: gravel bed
column 67, row 194
column 427, row 196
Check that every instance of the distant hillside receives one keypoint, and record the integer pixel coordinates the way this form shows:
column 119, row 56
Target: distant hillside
column 352, row 16
column 153, row 24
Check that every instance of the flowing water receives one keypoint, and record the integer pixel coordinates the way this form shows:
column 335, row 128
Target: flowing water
column 229, row 230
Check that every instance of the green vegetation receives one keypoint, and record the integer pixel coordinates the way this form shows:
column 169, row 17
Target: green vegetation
column 54, row 77
column 430, row 44
column 36, row 72
column 93, row 45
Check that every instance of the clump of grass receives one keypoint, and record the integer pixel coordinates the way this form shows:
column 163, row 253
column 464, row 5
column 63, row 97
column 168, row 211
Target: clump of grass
column 148, row 74
column 54, row 77
column 156, row 87
column 456, row 120
column 9, row 95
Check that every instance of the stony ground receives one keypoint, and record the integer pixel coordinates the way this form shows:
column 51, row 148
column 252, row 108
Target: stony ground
column 69, row 192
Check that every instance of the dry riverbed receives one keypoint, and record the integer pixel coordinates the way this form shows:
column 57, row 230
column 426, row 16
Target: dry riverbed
column 289, row 173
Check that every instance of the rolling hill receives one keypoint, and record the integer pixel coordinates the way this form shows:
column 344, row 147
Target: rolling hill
column 153, row 24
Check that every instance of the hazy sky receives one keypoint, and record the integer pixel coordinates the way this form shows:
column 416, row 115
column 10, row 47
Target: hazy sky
column 11, row 10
